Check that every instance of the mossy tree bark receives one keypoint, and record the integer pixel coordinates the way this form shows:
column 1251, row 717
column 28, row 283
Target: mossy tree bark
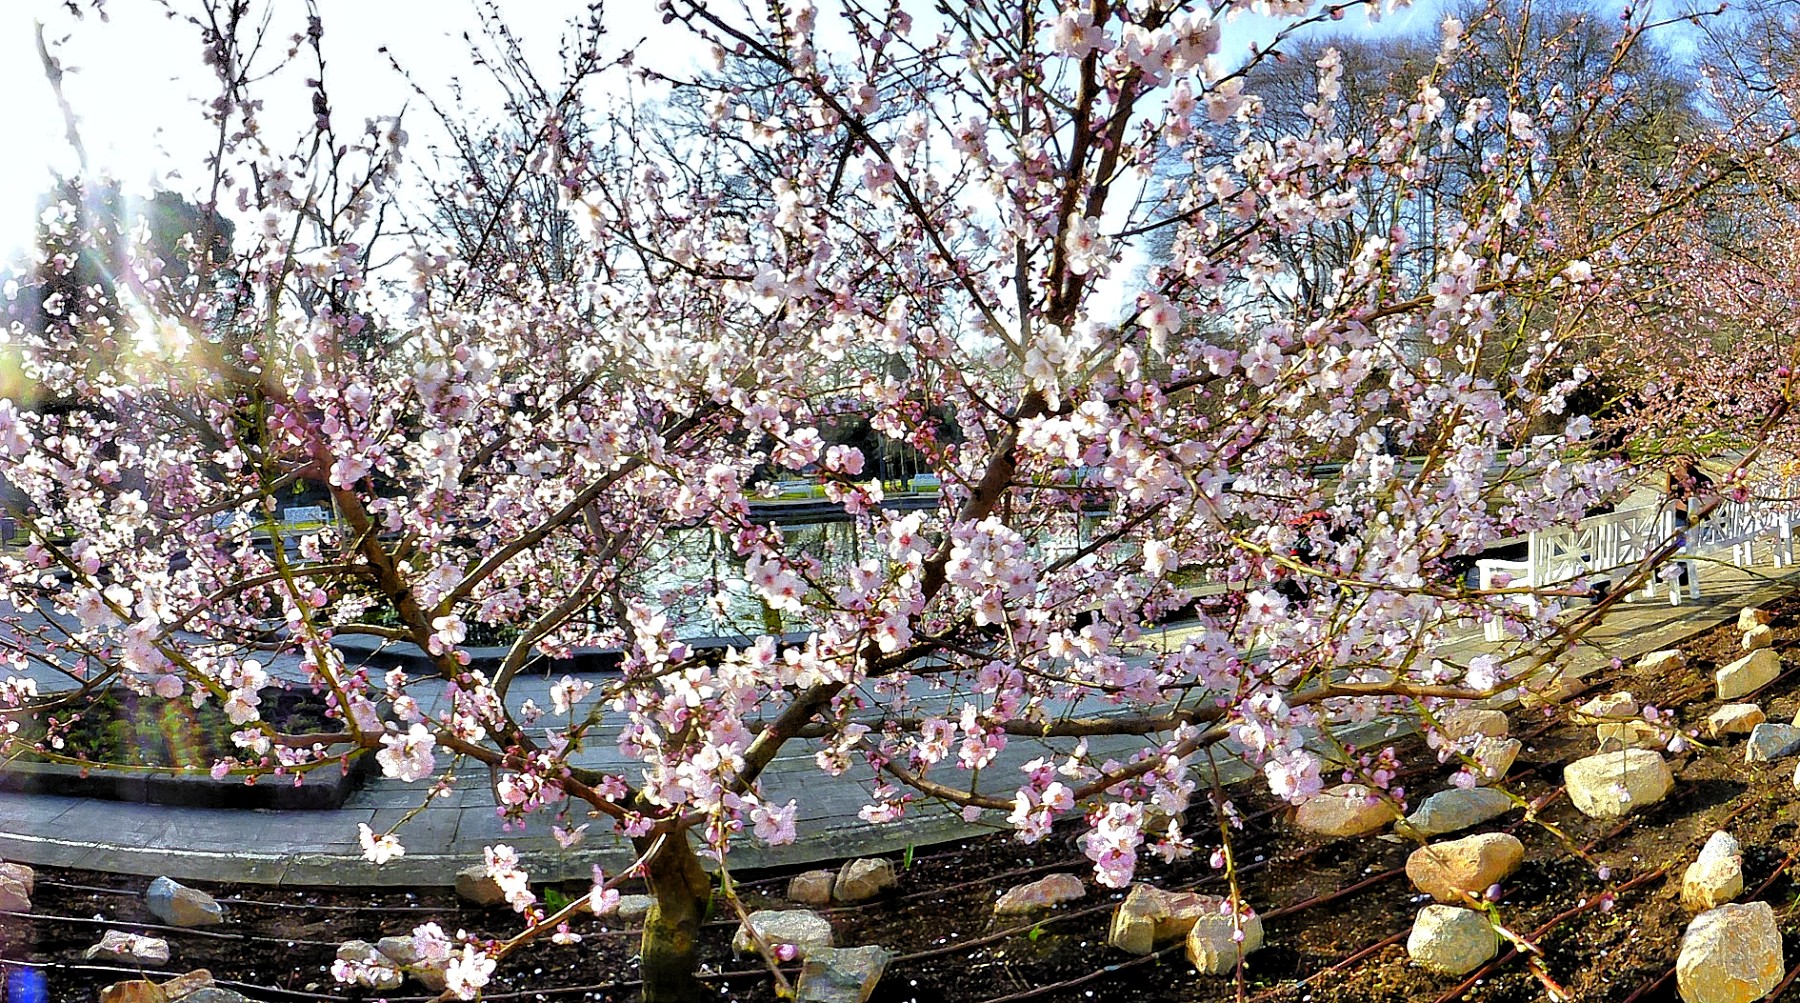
column 680, row 891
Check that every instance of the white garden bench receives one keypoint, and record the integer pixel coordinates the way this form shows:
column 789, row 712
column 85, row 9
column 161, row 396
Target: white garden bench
column 1596, row 548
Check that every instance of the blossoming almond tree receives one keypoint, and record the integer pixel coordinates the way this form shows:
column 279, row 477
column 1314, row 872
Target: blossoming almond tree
column 927, row 226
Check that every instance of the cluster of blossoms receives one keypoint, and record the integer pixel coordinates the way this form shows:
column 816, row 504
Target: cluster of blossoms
column 571, row 454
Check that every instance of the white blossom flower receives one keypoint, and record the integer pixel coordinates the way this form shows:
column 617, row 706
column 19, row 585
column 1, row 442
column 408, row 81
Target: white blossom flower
column 380, row 849
column 407, row 757
column 468, row 972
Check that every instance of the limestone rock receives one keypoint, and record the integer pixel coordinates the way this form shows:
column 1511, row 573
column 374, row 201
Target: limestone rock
column 1150, row 917
column 1716, row 876
column 1667, row 660
column 184, row 985
column 132, row 991
column 21, row 873
column 1471, row 864
column 1769, row 742
column 1731, row 954
column 805, row 930
column 1616, row 735
column 215, row 994
column 859, row 880
column 1463, row 722
column 1553, row 690
column 13, row 897
column 1344, row 810
column 1454, row 809
column 1045, row 893
column 1734, row 719
column 1612, row 784
column 1612, row 707
column 1451, row 939
column 401, row 952
column 842, row 974
column 360, row 963
column 635, row 907
column 1748, row 674
column 1758, row 637
column 182, row 988
column 129, row 949
column 474, row 885
column 811, row 888
column 1213, row 946
column 178, row 905
column 1495, row 756
column 1751, row 616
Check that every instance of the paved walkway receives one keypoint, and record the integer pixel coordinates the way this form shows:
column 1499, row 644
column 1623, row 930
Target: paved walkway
column 320, row 847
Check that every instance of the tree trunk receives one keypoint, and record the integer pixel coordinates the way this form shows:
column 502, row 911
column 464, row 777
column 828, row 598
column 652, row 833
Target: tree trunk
column 680, row 890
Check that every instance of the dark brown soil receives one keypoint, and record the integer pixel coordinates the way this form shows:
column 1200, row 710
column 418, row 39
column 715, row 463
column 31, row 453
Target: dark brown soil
column 1336, row 911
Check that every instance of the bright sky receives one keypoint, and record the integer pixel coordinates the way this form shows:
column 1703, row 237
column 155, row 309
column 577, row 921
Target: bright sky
column 133, row 80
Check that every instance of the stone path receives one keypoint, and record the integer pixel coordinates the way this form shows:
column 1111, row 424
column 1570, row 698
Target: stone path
column 320, row 847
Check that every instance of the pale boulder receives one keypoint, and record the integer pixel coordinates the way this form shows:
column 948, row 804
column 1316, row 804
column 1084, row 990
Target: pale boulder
column 1214, row 944
column 13, row 897
column 129, row 948
column 863, row 879
column 1734, row 719
column 1770, row 741
column 1446, row 871
column 811, row 888
column 1345, row 810
column 146, row 991
column 802, row 929
column 133, row 991
column 1667, row 660
column 1494, row 757
column 1751, row 616
column 1758, row 637
column 430, row 973
column 1612, row 784
column 215, row 994
column 1615, row 735
column 1731, row 954
column 1455, row 809
column 1716, row 876
column 178, row 905
column 361, row 963
column 1047, row 892
column 1549, row 691
column 474, row 885
column 1150, row 917
column 1612, row 707
column 1748, row 674
column 1451, row 939
column 841, row 974
column 1462, row 722
column 22, row 873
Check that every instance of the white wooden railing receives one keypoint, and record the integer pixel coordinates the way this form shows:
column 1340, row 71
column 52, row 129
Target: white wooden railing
column 1602, row 546
column 1737, row 525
